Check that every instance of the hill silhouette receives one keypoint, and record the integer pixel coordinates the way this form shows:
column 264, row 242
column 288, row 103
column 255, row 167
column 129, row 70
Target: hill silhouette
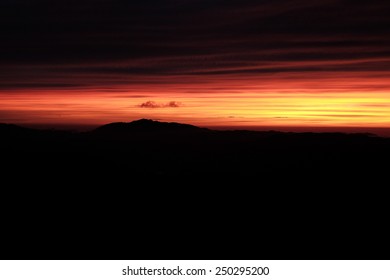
column 119, row 152
column 148, row 166
column 7, row 130
column 145, row 125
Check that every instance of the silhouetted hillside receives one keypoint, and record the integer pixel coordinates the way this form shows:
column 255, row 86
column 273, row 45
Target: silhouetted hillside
column 131, row 168
column 119, row 152
column 145, row 125
column 9, row 130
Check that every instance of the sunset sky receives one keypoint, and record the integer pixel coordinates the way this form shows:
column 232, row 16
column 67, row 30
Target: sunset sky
column 276, row 63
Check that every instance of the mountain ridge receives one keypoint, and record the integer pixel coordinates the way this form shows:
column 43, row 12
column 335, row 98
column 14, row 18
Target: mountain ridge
column 150, row 125
column 155, row 150
column 146, row 125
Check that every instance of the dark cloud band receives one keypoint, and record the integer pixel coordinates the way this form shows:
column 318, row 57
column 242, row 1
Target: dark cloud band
column 84, row 44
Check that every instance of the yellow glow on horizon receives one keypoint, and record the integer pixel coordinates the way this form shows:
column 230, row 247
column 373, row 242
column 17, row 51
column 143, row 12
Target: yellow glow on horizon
column 357, row 109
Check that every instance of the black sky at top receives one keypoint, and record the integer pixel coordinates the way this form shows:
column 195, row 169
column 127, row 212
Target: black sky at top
column 48, row 43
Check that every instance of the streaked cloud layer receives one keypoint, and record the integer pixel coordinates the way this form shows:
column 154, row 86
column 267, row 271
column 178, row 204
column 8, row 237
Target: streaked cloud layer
column 274, row 62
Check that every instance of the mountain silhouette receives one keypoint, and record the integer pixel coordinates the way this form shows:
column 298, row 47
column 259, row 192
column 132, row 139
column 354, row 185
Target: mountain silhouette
column 145, row 125
column 12, row 129
column 128, row 152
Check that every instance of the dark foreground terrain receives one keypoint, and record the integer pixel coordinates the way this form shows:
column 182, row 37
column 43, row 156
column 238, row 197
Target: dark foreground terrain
column 144, row 151
column 148, row 189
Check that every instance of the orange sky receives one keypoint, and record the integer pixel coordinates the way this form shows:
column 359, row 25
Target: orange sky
column 236, row 63
column 332, row 100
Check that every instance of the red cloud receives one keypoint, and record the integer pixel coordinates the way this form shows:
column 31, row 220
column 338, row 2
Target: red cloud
column 152, row 104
